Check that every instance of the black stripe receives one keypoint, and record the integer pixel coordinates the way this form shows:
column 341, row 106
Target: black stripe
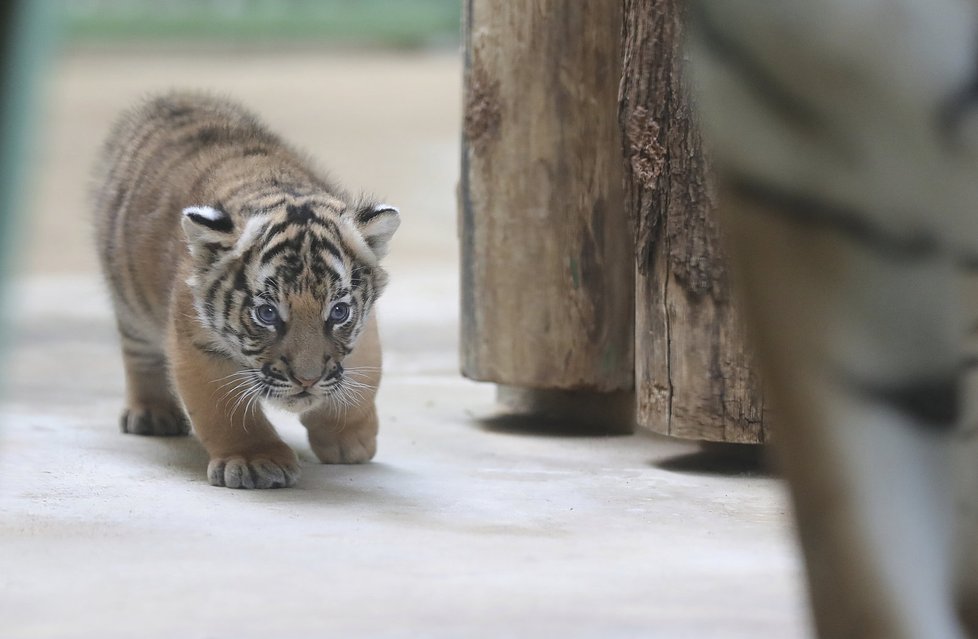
column 228, row 303
column 330, row 205
column 250, row 332
column 301, row 214
column 293, row 221
column 276, row 229
column 244, row 317
column 111, row 248
column 267, row 208
column 253, row 188
column 222, row 224
column 365, row 216
column 293, row 188
column 758, row 79
column 967, row 261
column 153, row 357
column 334, row 231
column 131, row 335
column 211, row 294
column 205, row 173
column 212, row 350
column 293, row 244
column 933, row 403
column 270, row 372
column 322, row 271
column 210, row 134
column 954, row 109
column 147, row 158
column 240, row 278
column 173, row 112
column 320, row 244
column 162, row 156
column 810, row 211
column 240, row 285
column 141, row 302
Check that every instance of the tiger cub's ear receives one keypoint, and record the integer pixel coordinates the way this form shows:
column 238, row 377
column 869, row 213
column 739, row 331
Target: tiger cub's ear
column 208, row 230
column 377, row 223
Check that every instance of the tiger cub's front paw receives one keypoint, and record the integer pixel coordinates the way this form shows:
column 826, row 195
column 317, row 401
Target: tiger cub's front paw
column 161, row 422
column 261, row 470
column 345, row 448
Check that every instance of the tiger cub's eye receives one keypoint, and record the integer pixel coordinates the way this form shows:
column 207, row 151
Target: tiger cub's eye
column 339, row 313
column 267, row 314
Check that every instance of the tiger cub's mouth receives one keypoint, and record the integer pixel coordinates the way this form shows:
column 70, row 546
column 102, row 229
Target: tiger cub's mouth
column 255, row 385
column 294, row 397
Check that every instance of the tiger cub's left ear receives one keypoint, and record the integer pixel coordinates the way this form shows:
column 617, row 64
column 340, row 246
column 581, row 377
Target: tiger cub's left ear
column 208, row 229
column 377, row 223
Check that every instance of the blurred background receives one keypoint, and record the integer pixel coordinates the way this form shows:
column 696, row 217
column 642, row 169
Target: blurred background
column 371, row 88
column 248, row 23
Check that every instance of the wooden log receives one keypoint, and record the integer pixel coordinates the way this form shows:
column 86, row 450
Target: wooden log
column 694, row 375
column 547, row 269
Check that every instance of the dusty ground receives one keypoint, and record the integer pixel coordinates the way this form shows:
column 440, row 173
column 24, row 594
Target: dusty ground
column 462, row 527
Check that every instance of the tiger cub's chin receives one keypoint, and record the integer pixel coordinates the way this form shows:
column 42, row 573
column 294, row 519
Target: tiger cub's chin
column 302, row 401
column 217, row 238
column 297, row 403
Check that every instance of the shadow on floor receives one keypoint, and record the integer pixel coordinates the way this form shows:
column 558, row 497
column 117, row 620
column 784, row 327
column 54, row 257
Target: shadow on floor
column 722, row 460
column 542, row 426
column 379, row 485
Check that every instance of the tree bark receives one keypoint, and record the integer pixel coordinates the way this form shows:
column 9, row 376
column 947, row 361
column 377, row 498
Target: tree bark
column 547, row 273
column 694, row 374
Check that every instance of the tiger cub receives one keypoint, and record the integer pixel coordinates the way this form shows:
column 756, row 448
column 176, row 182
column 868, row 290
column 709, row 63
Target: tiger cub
column 239, row 275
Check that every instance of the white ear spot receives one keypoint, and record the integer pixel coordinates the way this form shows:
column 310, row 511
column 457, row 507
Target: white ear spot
column 377, row 224
column 208, row 217
column 208, row 212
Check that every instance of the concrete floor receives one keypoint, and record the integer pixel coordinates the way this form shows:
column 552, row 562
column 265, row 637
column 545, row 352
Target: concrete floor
column 466, row 525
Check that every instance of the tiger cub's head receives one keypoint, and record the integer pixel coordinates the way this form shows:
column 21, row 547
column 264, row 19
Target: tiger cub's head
column 286, row 292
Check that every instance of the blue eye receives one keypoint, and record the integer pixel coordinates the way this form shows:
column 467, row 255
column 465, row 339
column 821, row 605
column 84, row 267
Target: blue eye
column 339, row 313
column 267, row 314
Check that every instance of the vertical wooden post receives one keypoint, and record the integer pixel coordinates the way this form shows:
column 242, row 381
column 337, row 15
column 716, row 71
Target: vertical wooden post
column 694, row 376
column 547, row 269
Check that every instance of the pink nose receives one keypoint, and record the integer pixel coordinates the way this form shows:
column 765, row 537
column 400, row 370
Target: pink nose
column 306, row 383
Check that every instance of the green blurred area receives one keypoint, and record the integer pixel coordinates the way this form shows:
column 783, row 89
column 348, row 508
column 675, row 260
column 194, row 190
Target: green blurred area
column 396, row 23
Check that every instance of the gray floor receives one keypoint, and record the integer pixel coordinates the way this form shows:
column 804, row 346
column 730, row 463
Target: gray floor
column 465, row 525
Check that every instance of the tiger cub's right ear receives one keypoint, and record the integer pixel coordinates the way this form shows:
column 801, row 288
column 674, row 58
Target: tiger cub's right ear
column 208, row 229
column 377, row 223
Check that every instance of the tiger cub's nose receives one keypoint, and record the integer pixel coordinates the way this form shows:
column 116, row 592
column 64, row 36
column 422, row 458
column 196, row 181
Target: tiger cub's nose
column 307, row 382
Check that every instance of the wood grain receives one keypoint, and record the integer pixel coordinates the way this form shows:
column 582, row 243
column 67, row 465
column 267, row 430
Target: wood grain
column 547, row 268
column 695, row 377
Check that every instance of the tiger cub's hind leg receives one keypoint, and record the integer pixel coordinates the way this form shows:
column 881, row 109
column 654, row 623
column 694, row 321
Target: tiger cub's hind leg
column 151, row 407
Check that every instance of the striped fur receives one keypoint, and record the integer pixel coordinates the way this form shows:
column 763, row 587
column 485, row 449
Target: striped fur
column 845, row 135
column 239, row 273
